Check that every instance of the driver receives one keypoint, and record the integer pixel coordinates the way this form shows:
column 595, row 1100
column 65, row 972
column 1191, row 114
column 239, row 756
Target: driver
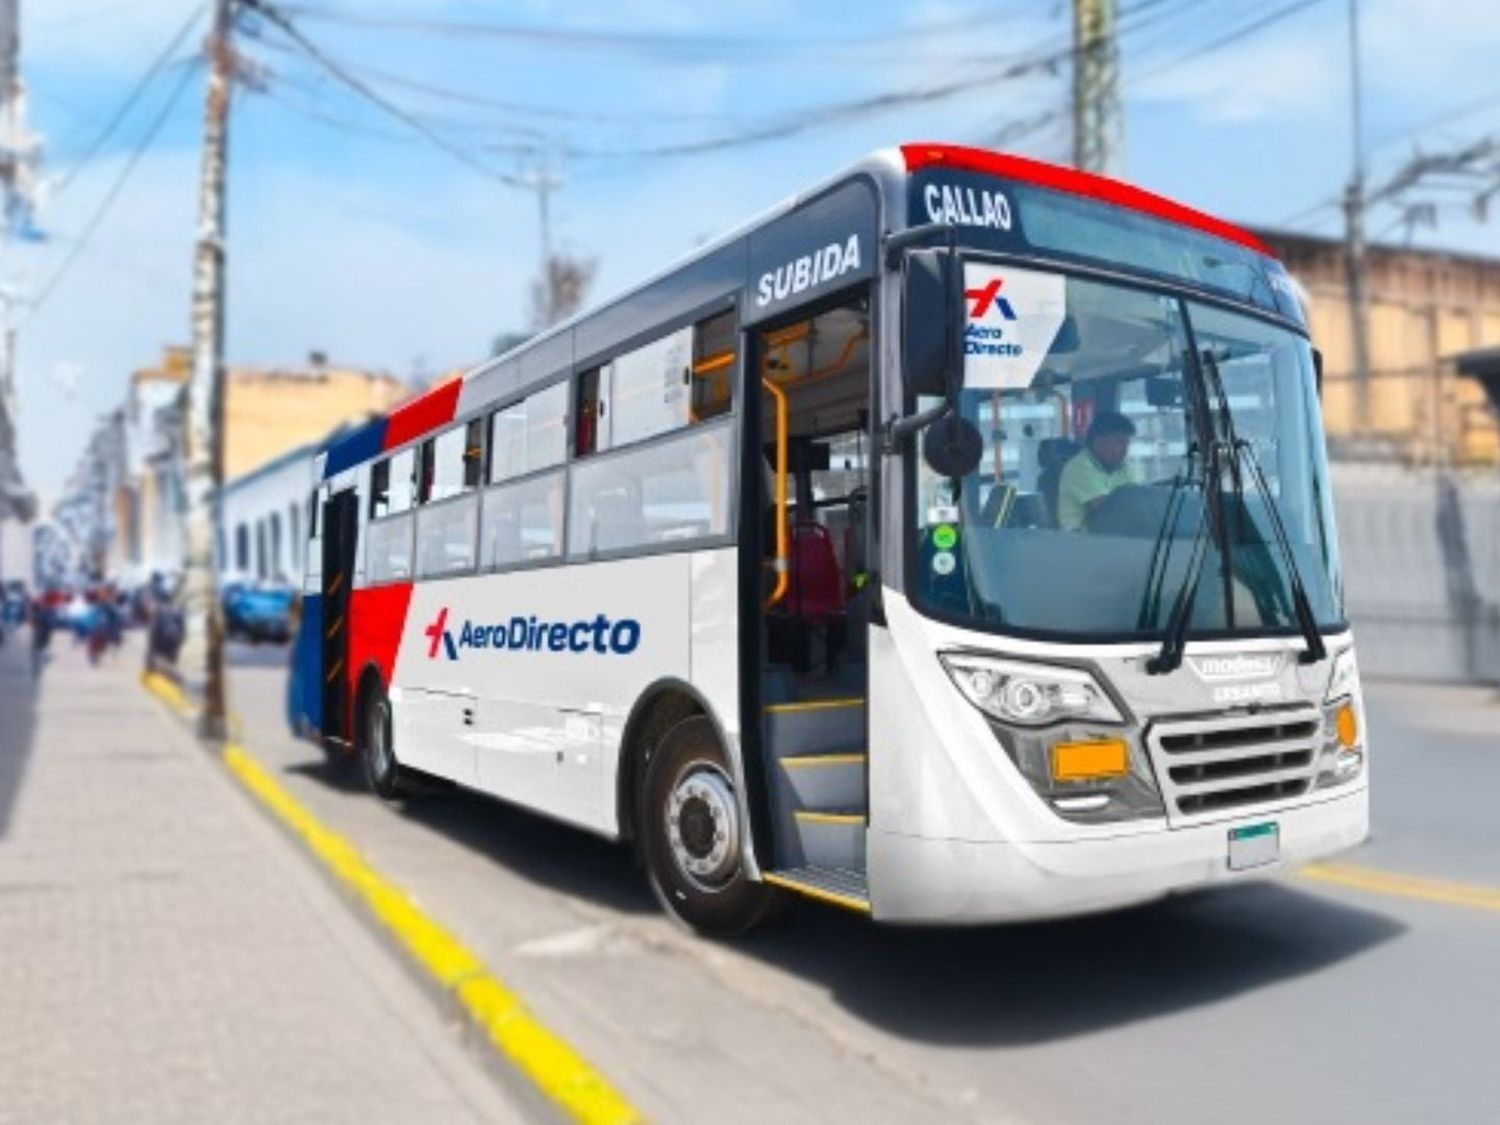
column 1096, row 470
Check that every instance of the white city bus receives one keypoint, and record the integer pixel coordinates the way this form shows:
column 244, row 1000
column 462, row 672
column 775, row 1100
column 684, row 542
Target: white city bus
column 953, row 543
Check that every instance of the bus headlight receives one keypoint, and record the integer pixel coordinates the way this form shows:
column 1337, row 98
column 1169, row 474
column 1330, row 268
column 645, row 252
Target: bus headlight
column 1344, row 678
column 1341, row 756
column 1086, row 774
column 1086, row 764
column 1027, row 694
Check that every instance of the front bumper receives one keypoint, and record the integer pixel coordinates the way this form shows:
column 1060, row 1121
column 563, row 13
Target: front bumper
column 916, row 879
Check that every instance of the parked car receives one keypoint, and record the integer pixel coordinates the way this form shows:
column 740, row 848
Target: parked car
column 13, row 603
column 258, row 612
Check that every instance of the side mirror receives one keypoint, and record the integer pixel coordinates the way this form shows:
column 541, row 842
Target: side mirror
column 929, row 323
column 1318, row 370
column 953, row 446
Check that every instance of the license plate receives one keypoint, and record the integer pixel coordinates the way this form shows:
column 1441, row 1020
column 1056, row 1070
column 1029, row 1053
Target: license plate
column 1254, row 845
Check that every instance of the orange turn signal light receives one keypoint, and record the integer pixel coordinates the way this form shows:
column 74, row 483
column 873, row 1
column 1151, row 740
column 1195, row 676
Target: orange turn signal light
column 1090, row 761
column 1346, row 726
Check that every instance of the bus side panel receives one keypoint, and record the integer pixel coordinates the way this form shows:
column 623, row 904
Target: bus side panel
column 305, row 683
column 377, row 616
column 552, row 693
column 716, row 637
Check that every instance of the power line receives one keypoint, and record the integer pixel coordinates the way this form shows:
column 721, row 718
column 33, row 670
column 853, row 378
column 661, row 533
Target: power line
column 654, row 44
column 1039, row 59
column 56, row 278
column 1445, row 117
column 145, row 80
column 1226, row 40
column 338, row 71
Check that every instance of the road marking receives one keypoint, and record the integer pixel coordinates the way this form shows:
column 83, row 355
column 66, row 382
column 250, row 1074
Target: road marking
column 1470, row 895
column 563, row 1076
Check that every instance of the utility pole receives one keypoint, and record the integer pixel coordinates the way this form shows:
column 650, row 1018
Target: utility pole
column 1098, row 117
column 542, row 180
column 20, row 151
column 203, row 412
column 1354, row 240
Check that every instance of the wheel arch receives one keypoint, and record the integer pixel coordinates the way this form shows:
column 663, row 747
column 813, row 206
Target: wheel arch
column 661, row 706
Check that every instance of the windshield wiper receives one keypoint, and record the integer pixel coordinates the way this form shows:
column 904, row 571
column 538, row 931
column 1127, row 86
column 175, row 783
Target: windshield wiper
column 1241, row 448
column 1161, row 550
column 1174, row 637
column 1306, row 620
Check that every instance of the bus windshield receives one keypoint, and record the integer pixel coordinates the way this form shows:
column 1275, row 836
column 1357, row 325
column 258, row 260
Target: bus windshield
column 1095, row 412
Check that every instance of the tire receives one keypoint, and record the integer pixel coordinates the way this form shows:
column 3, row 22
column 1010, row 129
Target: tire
column 383, row 773
column 694, row 836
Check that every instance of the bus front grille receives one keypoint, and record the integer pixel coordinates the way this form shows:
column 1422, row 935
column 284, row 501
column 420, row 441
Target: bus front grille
column 1227, row 763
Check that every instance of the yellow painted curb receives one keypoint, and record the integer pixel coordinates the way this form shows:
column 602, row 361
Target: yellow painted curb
column 1448, row 893
column 558, row 1071
column 168, row 691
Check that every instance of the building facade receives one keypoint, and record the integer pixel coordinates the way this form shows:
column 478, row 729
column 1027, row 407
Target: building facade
column 129, row 484
column 263, row 519
column 1426, row 307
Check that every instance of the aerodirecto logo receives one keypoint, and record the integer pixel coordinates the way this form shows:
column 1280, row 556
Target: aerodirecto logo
column 599, row 634
column 992, row 338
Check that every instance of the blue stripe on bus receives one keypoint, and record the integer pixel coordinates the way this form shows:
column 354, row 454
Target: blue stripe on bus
column 304, row 687
column 355, row 448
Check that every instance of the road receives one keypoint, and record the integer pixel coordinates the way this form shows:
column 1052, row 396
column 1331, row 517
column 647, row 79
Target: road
column 1287, row 1000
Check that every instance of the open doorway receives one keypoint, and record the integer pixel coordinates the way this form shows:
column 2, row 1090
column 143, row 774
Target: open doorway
column 815, row 379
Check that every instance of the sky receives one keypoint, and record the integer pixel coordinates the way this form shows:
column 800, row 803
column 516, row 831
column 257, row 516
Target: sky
column 404, row 249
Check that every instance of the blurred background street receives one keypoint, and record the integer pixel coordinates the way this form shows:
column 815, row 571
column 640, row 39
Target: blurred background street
column 408, row 189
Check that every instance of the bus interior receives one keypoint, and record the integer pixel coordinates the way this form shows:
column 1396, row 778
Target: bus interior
column 815, row 377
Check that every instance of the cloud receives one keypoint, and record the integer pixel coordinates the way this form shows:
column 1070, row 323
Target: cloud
column 1413, row 51
column 1258, row 82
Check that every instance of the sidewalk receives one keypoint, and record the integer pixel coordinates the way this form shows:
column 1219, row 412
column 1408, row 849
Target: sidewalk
column 166, row 955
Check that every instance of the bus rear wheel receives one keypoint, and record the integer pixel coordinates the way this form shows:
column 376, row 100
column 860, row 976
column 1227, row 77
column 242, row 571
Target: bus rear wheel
column 386, row 777
column 694, row 835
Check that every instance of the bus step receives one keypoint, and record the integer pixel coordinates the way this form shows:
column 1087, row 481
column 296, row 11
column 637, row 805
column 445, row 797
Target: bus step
column 831, row 839
column 816, row 726
column 838, row 886
column 825, row 781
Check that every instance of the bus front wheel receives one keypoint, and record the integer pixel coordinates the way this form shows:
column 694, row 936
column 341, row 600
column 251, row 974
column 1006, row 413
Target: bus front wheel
column 695, row 835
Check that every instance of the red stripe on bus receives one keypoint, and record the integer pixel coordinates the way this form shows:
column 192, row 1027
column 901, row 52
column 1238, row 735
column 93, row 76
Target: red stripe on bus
column 422, row 415
column 1074, row 182
column 377, row 618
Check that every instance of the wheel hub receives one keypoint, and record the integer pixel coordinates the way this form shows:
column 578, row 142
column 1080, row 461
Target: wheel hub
column 703, row 827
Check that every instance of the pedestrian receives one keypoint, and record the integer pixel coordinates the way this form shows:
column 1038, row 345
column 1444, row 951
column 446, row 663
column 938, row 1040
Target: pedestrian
column 164, row 640
column 41, row 635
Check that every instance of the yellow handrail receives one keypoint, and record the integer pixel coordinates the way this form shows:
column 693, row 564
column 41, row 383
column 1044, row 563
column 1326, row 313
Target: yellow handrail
column 783, row 578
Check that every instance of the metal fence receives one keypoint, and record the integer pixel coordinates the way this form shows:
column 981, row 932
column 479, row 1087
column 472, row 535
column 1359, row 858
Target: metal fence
column 1421, row 552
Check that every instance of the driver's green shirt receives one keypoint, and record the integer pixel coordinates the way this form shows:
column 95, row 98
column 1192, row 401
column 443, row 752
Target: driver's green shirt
column 1085, row 480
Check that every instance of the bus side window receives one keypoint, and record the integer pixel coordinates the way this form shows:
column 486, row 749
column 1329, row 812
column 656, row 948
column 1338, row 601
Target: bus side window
column 400, row 479
column 587, row 414
column 426, row 458
column 474, row 453
column 713, row 365
column 380, row 489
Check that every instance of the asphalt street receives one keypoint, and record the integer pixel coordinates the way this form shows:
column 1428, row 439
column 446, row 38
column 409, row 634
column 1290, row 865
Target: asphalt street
column 1295, row 999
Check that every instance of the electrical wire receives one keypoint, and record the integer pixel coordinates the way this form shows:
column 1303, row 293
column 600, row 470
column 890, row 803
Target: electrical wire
column 1227, row 40
column 157, row 64
column 758, row 49
column 275, row 16
column 92, row 226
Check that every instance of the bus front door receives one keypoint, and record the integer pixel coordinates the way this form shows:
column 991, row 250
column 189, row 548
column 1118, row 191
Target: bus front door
column 340, row 533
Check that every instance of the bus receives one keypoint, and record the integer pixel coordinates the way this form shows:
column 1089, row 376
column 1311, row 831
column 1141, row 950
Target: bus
column 953, row 543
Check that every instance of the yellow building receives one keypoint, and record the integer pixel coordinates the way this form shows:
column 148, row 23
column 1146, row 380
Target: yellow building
column 267, row 411
column 1425, row 308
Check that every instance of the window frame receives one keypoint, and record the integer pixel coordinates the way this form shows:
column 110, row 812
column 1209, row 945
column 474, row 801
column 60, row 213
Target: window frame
column 730, row 420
